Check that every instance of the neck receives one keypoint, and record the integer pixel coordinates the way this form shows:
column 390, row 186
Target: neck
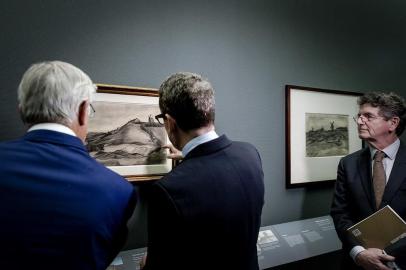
column 79, row 130
column 382, row 144
column 191, row 134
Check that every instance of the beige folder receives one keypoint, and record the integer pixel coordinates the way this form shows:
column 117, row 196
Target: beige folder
column 379, row 230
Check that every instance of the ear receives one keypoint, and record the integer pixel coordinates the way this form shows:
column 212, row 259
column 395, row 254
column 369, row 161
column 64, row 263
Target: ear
column 170, row 123
column 394, row 123
column 82, row 114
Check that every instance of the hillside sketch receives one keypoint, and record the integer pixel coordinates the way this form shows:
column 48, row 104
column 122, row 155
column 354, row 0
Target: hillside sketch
column 134, row 143
column 326, row 135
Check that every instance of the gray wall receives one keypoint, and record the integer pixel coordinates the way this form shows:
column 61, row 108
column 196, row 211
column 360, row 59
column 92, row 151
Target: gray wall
column 249, row 50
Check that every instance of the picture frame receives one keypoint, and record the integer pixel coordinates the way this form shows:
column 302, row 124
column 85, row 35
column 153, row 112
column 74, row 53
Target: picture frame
column 124, row 135
column 320, row 130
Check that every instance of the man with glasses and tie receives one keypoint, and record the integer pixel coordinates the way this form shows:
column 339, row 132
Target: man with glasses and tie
column 373, row 177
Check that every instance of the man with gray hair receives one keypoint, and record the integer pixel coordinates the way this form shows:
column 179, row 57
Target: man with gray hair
column 60, row 209
column 206, row 213
column 372, row 178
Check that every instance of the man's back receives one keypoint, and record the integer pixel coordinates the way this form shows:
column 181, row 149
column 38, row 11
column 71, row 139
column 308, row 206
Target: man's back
column 206, row 213
column 59, row 208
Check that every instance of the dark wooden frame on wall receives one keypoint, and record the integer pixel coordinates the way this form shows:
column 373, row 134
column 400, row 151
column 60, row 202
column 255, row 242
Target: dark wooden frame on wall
column 288, row 121
column 138, row 91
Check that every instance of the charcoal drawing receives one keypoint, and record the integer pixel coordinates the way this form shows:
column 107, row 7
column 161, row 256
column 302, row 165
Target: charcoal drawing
column 326, row 135
column 126, row 134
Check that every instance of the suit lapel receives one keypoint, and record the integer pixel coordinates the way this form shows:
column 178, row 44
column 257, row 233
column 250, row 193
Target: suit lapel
column 366, row 179
column 397, row 176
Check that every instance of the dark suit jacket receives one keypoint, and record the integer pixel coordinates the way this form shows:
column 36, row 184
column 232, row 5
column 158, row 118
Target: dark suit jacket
column 59, row 208
column 354, row 197
column 206, row 213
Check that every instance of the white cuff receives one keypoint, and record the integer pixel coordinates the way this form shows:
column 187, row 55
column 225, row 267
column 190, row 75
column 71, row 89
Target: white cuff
column 355, row 251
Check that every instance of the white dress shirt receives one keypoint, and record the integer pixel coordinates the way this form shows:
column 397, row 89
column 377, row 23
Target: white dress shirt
column 54, row 127
column 193, row 143
column 387, row 161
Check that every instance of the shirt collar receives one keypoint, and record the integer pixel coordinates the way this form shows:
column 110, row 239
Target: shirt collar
column 390, row 151
column 54, row 127
column 211, row 135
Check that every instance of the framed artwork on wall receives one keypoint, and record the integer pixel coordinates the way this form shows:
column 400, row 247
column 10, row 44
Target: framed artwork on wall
column 320, row 130
column 124, row 135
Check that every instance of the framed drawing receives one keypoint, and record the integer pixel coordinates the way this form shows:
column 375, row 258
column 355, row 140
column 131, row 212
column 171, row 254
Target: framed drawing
column 124, row 135
column 320, row 130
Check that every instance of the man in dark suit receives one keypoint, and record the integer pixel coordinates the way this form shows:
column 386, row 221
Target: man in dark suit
column 206, row 213
column 59, row 209
column 363, row 185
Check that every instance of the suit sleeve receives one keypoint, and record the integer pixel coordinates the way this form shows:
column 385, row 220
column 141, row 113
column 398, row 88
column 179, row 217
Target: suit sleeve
column 163, row 222
column 341, row 208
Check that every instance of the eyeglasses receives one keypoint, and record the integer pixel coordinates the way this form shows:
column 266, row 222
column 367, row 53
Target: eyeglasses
column 366, row 117
column 92, row 111
column 160, row 118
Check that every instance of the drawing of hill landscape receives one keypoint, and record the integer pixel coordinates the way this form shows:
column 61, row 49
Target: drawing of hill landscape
column 137, row 141
column 326, row 135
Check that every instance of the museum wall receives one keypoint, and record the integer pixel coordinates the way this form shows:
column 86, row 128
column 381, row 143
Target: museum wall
column 249, row 50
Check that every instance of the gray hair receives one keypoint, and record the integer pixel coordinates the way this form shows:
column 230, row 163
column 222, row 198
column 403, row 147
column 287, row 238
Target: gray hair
column 389, row 104
column 189, row 99
column 52, row 92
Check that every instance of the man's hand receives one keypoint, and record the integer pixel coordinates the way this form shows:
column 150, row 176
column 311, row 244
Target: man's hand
column 373, row 259
column 174, row 153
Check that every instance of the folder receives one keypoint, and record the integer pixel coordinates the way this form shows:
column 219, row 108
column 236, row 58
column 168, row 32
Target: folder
column 379, row 230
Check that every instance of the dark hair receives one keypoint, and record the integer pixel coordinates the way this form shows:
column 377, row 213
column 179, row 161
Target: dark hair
column 389, row 104
column 189, row 99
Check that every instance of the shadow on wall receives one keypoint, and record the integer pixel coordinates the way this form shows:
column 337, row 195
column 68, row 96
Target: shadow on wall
column 316, row 200
column 137, row 225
